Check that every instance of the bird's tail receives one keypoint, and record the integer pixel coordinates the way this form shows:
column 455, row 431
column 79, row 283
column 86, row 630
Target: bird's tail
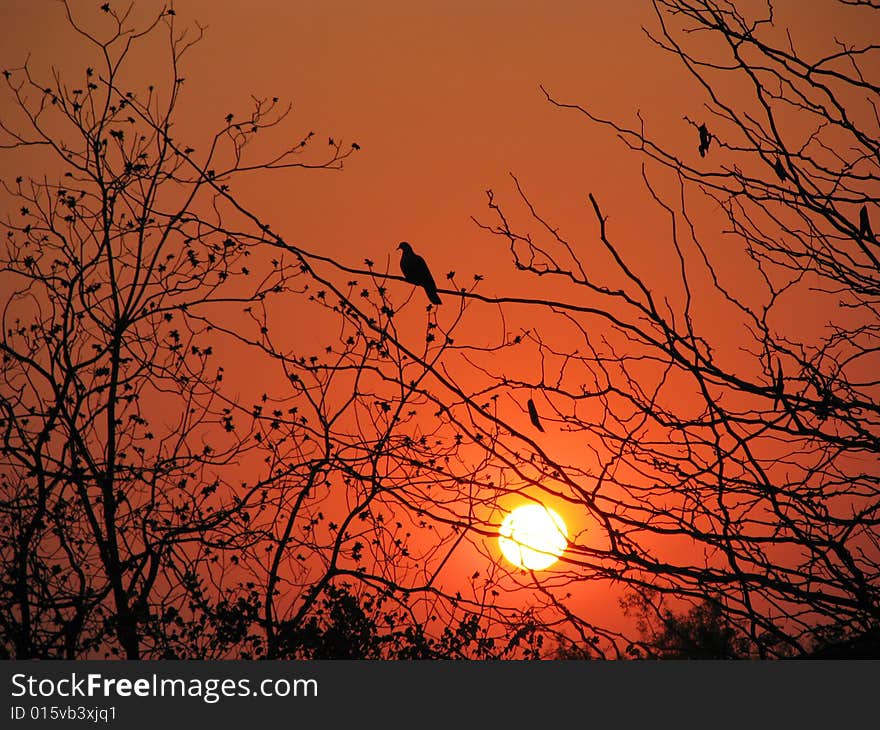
column 434, row 296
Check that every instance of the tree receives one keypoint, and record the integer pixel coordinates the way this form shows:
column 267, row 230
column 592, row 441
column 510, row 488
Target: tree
column 157, row 499
column 730, row 408
column 117, row 432
column 700, row 633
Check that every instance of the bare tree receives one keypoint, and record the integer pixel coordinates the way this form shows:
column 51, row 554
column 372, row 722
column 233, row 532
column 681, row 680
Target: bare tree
column 731, row 414
column 160, row 499
column 117, row 444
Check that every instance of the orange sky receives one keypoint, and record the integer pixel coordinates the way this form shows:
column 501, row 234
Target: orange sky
column 443, row 97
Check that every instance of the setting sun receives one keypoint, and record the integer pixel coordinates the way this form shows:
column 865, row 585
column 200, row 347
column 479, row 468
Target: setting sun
column 532, row 537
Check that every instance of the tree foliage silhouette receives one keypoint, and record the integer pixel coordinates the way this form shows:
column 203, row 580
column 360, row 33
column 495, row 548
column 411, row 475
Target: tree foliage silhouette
column 701, row 632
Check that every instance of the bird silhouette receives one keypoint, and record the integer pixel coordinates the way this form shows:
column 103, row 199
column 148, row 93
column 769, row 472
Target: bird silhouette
column 865, row 224
column 823, row 410
column 416, row 271
column 705, row 139
column 533, row 415
column 780, row 170
column 778, row 386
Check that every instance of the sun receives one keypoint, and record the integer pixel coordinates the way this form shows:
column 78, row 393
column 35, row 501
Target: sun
column 532, row 537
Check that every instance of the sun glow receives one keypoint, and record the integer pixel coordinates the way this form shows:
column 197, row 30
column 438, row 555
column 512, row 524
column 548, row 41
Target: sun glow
column 532, row 537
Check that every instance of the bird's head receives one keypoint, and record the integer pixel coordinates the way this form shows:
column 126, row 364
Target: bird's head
column 404, row 246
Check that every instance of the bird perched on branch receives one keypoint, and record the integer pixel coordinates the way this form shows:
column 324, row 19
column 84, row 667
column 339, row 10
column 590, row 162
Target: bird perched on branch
column 533, row 415
column 778, row 386
column 865, row 224
column 416, row 271
column 705, row 139
column 780, row 170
